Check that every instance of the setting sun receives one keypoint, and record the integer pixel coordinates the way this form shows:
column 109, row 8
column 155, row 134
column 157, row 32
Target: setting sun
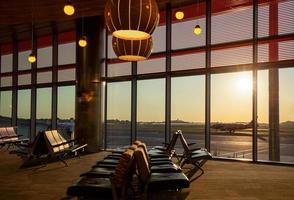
column 244, row 84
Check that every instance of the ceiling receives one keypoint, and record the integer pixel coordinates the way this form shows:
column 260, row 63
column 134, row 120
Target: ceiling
column 16, row 16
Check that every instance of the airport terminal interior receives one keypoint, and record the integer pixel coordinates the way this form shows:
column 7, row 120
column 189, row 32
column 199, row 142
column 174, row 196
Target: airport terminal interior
column 147, row 99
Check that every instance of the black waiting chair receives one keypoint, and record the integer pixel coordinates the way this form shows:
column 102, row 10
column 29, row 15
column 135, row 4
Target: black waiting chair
column 116, row 185
column 156, row 181
column 194, row 156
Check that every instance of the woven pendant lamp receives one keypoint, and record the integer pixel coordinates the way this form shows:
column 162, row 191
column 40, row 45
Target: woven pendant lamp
column 132, row 50
column 131, row 19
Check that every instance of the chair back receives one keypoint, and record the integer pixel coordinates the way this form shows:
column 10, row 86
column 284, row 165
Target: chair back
column 172, row 143
column 60, row 139
column 142, row 165
column 52, row 142
column 183, row 141
column 11, row 132
column 124, row 170
column 3, row 132
column 144, row 148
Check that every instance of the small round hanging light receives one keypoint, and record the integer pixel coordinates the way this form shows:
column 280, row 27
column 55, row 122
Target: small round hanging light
column 32, row 58
column 132, row 50
column 131, row 19
column 83, row 41
column 69, row 9
column 197, row 30
column 179, row 14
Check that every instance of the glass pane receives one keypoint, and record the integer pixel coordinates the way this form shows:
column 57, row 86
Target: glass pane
column 24, row 112
column 67, row 53
column 231, row 56
column 43, row 115
column 188, row 108
column 286, row 103
column 66, row 110
column 188, row 61
column 44, row 77
column 286, row 17
column 231, row 24
column 119, row 69
column 44, row 57
column 6, row 81
column 152, row 65
column 67, row 75
column 183, row 30
column 263, row 115
column 5, row 108
column 6, row 63
column 158, row 38
column 24, row 79
column 231, row 115
column 118, row 114
column 23, row 63
column 151, row 111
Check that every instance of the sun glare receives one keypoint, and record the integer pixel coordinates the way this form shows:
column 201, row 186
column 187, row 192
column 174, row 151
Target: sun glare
column 244, row 84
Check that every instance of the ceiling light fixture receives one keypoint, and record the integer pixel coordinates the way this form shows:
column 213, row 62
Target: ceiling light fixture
column 132, row 50
column 131, row 20
column 69, row 9
column 32, row 57
column 83, row 40
column 179, row 14
column 197, row 28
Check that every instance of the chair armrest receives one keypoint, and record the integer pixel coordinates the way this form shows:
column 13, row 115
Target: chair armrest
column 192, row 143
column 79, row 147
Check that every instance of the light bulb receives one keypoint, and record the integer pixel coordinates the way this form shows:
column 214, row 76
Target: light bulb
column 197, row 30
column 69, row 9
column 83, row 41
column 32, row 58
column 180, row 15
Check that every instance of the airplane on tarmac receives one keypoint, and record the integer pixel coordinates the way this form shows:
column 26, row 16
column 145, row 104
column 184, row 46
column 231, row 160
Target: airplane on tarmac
column 231, row 127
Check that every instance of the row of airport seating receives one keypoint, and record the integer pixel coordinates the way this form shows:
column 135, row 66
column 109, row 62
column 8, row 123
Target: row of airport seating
column 9, row 137
column 135, row 171
column 49, row 145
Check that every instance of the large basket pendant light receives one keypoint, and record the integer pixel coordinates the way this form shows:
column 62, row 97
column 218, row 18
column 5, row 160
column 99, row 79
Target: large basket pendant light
column 131, row 19
column 132, row 50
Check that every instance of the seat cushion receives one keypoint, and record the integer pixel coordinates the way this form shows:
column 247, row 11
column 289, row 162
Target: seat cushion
column 167, row 168
column 90, row 187
column 168, row 181
column 201, row 155
column 99, row 172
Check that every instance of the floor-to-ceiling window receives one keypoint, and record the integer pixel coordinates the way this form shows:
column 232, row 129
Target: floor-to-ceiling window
column 118, row 114
column 43, row 110
column 231, row 115
column 66, row 110
column 151, row 111
column 5, row 108
column 24, row 112
column 286, row 108
column 188, row 108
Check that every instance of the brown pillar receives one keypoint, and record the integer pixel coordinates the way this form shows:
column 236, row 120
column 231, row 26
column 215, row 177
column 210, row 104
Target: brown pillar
column 274, row 132
column 88, row 88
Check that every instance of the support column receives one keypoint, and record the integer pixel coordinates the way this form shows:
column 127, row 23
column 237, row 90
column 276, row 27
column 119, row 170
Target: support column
column 274, row 122
column 88, row 88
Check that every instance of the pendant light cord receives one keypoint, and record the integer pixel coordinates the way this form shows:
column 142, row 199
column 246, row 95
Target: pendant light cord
column 32, row 14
